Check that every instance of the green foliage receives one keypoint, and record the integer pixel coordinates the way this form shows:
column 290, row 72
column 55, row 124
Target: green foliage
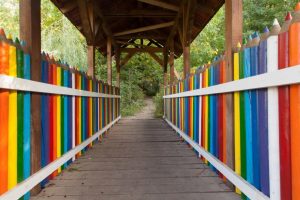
column 9, row 17
column 208, row 44
column 159, row 104
column 60, row 38
column 261, row 13
column 140, row 77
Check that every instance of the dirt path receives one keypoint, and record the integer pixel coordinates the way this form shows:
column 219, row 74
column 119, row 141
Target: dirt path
column 147, row 112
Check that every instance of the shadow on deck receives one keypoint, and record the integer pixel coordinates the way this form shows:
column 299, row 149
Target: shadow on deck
column 138, row 159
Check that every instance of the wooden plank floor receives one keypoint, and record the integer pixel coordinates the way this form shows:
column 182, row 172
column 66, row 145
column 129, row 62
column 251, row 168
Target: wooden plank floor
column 138, row 159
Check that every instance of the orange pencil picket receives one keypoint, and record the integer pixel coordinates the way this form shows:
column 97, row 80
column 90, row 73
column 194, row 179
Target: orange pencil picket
column 4, row 96
column 294, row 59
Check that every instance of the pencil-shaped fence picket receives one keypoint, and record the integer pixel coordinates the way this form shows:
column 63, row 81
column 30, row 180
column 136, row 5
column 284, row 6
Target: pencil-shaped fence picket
column 265, row 113
column 74, row 107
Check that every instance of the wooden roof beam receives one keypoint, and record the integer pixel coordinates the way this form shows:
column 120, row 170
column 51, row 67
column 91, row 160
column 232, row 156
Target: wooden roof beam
column 127, row 58
column 148, row 36
column 188, row 20
column 105, row 27
column 156, row 43
column 161, row 4
column 146, row 49
column 145, row 28
column 176, row 24
column 205, row 9
column 131, row 43
column 86, row 21
column 141, row 13
column 156, row 58
column 68, row 6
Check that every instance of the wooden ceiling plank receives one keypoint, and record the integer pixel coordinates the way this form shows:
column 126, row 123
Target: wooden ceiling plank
column 145, row 28
column 161, row 4
column 68, row 6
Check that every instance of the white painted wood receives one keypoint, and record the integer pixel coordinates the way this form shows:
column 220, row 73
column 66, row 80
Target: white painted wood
column 200, row 111
column 13, row 83
column 73, row 115
column 248, row 189
column 26, row 185
column 273, row 121
column 287, row 76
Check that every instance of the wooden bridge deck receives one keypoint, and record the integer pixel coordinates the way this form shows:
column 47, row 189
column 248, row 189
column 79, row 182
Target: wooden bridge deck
column 138, row 159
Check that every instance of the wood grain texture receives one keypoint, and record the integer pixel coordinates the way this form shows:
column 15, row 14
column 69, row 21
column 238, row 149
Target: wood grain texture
column 233, row 35
column 139, row 159
column 30, row 31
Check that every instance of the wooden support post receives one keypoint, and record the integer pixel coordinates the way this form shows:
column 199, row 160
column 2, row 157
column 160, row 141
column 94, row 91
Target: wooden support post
column 30, row 31
column 165, row 66
column 118, row 66
column 91, row 61
column 186, row 61
column 171, row 62
column 187, row 21
column 109, row 63
column 234, row 25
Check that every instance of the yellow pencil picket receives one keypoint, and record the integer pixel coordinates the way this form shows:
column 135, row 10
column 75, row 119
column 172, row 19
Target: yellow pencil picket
column 237, row 134
column 58, row 118
column 12, row 123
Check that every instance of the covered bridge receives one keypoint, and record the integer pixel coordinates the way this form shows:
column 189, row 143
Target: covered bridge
column 61, row 132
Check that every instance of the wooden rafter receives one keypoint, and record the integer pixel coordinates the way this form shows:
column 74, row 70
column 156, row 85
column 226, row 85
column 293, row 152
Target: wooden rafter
column 145, row 28
column 146, row 49
column 176, row 24
column 85, row 20
column 131, row 43
column 141, row 13
column 156, row 58
column 105, row 27
column 188, row 17
column 127, row 58
column 144, row 36
column 115, row 16
column 205, row 9
column 156, row 43
column 161, row 4
column 68, row 6
column 149, row 43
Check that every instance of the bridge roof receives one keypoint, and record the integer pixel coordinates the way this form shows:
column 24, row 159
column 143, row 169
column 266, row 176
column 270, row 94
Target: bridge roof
column 154, row 21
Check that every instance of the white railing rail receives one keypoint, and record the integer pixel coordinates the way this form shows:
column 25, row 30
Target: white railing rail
column 25, row 186
column 287, row 76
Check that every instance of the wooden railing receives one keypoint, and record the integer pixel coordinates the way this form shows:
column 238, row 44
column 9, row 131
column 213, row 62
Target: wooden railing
column 264, row 136
column 75, row 111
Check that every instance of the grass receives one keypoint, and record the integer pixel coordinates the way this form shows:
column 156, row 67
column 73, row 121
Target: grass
column 131, row 109
column 159, row 104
